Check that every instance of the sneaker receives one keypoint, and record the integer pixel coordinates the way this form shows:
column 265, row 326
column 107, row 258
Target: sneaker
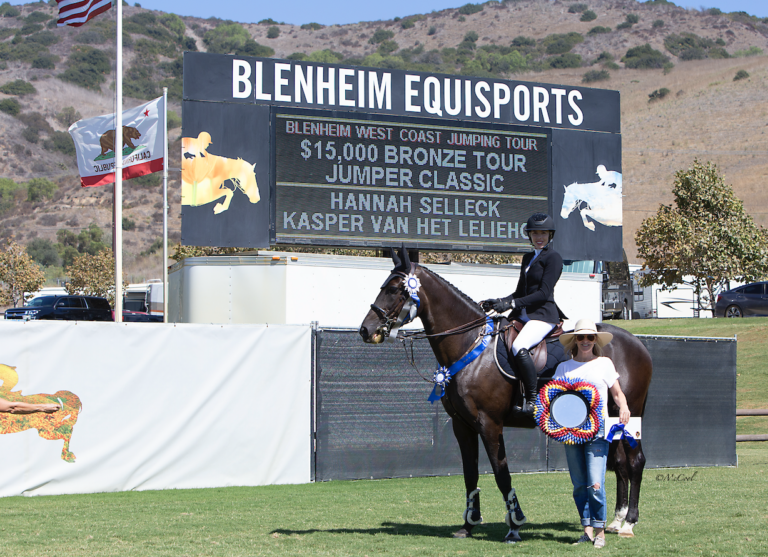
column 584, row 539
column 599, row 542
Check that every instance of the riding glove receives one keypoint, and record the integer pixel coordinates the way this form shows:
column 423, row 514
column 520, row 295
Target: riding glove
column 499, row 305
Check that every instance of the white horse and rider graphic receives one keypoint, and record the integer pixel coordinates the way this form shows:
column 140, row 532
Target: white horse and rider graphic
column 597, row 201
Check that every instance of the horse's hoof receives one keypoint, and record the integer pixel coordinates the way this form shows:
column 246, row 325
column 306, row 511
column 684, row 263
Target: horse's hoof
column 613, row 527
column 463, row 533
column 513, row 536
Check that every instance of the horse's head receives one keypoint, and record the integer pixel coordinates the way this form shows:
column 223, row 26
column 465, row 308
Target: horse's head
column 397, row 303
column 570, row 201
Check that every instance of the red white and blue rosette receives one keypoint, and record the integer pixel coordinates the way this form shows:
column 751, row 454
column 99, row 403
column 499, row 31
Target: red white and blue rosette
column 569, row 435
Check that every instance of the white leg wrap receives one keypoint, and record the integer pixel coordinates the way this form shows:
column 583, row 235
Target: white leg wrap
column 618, row 520
column 626, row 530
column 515, row 517
column 471, row 499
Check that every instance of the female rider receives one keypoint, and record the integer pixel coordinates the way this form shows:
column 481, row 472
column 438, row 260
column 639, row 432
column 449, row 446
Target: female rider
column 533, row 302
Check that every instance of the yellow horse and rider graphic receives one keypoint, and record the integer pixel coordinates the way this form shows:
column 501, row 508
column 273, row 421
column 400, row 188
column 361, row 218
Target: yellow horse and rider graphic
column 203, row 175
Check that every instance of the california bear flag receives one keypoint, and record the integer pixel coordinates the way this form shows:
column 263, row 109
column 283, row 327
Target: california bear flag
column 141, row 141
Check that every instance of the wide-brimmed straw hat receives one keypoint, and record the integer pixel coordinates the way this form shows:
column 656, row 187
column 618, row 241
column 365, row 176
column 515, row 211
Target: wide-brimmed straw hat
column 587, row 327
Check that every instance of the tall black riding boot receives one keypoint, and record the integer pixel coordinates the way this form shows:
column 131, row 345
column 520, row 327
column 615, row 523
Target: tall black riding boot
column 526, row 372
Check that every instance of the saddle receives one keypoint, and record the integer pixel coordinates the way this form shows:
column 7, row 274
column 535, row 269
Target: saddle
column 539, row 352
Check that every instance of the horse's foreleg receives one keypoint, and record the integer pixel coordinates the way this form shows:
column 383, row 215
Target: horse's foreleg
column 636, row 464
column 467, row 438
column 617, row 461
column 493, row 440
column 221, row 207
column 584, row 214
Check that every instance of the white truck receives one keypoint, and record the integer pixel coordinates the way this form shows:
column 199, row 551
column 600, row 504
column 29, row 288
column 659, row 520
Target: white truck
column 335, row 291
column 146, row 297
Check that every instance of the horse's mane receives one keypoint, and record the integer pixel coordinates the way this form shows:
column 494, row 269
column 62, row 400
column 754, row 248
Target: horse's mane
column 467, row 300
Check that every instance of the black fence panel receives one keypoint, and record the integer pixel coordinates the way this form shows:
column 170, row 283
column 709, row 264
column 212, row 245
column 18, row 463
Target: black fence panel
column 374, row 420
column 690, row 415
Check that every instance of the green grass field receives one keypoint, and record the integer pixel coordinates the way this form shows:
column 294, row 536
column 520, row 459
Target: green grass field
column 693, row 511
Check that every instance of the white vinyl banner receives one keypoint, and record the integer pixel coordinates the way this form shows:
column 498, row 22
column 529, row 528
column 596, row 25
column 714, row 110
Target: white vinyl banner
column 154, row 406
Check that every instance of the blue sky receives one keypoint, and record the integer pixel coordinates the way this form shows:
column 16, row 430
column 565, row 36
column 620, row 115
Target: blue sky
column 352, row 11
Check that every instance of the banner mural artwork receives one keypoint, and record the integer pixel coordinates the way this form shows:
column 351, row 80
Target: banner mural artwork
column 286, row 152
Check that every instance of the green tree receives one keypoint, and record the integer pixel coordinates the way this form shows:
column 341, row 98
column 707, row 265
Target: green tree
column 705, row 239
column 226, row 38
column 40, row 188
column 94, row 275
column 19, row 274
column 43, row 252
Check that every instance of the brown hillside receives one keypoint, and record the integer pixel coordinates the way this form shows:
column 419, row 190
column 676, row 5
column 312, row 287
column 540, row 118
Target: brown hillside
column 707, row 115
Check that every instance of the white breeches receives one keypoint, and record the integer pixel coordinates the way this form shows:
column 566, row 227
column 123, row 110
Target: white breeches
column 532, row 334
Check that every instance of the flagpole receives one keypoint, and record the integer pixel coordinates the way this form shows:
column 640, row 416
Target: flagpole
column 118, row 204
column 165, row 204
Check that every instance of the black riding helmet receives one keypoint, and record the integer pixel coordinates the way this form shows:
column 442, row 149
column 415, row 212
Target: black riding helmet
column 540, row 221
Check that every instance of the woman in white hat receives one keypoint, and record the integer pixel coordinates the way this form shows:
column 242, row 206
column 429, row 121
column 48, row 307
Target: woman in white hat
column 587, row 462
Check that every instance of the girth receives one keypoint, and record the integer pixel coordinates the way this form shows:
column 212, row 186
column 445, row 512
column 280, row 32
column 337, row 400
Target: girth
column 538, row 352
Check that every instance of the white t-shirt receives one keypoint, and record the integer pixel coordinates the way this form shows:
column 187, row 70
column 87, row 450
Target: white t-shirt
column 600, row 372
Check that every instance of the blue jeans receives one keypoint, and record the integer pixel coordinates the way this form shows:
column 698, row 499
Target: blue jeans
column 586, row 465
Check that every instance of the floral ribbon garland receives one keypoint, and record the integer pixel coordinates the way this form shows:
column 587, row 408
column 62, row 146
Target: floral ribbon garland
column 569, row 435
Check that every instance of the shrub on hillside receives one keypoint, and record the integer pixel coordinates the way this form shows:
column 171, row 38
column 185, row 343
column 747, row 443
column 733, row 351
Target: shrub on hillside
column 39, row 189
column 87, row 68
column 9, row 11
column 226, row 38
column 599, row 30
column 91, row 36
column 37, row 17
column 588, row 15
column 657, row 24
column 595, row 75
column 173, row 23
column 9, row 191
column 42, row 251
column 741, row 74
column 44, row 38
column 252, row 48
column 273, row 32
column 68, row 116
column 45, row 62
column 632, row 18
column 380, row 36
column 432, row 30
column 567, row 60
column 29, row 28
column 658, row 94
column 18, row 87
column 10, row 106
column 561, row 43
column 387, row 47
column 60, row 141
column 312, row 26
column 469, row 9
column 577, row 8
column 644, row 58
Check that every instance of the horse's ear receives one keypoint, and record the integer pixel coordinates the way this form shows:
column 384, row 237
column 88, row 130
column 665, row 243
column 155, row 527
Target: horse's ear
column 406, row 260
column 395, row 258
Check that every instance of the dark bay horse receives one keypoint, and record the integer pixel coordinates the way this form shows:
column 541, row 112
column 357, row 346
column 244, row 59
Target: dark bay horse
column 479, row 398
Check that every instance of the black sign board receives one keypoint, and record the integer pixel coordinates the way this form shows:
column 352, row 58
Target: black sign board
column 287, row 152
column 342, row 180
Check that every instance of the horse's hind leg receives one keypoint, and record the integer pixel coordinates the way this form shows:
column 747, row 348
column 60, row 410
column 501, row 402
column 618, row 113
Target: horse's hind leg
column 636, row 464
column 467, row 438
column 494, row 446
column 617, row 460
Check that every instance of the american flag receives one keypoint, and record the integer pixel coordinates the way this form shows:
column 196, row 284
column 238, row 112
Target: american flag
column 77, row 12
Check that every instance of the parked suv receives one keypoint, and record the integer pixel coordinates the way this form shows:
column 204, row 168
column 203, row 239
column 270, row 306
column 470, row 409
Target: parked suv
column 750, row 299
column 63, row 308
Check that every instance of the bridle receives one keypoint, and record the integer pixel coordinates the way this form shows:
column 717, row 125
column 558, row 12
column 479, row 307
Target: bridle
column 409, row 307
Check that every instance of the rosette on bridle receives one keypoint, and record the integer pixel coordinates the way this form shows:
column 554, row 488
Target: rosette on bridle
column 582, row 433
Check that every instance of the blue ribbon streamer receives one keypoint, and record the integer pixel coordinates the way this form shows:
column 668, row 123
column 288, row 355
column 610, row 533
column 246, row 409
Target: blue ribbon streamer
column 623, row 433
column 439, row 391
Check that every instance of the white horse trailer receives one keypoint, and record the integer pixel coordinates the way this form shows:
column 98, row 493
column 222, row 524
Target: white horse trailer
column 335, row 291
column 144, row 297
